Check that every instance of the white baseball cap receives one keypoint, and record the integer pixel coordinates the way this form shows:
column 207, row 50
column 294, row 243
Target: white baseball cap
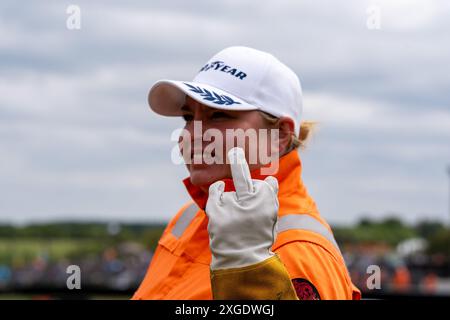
column 236, row 78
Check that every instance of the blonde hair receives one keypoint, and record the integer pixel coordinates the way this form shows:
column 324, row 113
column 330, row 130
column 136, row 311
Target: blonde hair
column 306, row 129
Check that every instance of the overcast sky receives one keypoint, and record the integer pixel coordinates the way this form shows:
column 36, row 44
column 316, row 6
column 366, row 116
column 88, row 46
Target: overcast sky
column 77, row 140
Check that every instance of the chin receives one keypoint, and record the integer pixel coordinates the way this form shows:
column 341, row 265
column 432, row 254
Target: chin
column 204, row 176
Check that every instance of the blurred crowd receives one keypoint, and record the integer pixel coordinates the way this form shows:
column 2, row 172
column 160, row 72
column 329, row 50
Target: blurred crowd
column 121, row 269
column 118, row 268
column 413, row 273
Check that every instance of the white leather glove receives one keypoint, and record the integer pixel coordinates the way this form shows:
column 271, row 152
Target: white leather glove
column 242, row 224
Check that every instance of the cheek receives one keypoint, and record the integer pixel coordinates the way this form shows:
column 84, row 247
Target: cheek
column 256, row 140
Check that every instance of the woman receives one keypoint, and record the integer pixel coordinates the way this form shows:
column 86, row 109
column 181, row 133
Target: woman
column 251, row 230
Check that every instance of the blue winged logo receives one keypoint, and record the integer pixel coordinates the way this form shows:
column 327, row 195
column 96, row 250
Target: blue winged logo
column 212, row 96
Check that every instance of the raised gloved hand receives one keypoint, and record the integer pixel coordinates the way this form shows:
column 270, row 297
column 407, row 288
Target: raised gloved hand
column 242, row 224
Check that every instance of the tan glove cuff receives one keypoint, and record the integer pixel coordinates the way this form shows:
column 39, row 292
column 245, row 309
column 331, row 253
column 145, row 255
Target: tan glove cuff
column 266, row 280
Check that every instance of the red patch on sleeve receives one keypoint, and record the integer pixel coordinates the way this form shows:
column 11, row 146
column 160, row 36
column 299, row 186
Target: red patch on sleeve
column 305, row 290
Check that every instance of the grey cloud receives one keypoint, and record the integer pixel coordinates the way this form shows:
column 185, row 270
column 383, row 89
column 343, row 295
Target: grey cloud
column 76, row 135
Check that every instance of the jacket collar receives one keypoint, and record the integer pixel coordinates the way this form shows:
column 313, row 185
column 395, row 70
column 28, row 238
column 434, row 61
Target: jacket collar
column 288, row 176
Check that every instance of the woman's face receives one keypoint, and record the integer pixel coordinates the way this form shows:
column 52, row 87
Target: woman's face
column 202, row 174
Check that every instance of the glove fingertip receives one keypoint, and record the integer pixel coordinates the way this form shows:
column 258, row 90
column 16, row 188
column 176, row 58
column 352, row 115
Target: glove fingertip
column 216, row 189
column 273, row 182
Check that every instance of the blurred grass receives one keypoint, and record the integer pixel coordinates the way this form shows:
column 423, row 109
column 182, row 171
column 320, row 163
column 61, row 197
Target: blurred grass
column 21, row 251
column 13, row 296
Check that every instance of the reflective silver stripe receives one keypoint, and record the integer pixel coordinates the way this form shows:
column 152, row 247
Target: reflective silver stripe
column 184, row 220
column 305, row 222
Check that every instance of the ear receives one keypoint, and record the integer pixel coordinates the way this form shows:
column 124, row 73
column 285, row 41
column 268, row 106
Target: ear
column 286, row 131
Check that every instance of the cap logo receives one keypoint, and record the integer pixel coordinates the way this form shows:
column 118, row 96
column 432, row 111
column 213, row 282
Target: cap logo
column 221, row 66
column 212, row 96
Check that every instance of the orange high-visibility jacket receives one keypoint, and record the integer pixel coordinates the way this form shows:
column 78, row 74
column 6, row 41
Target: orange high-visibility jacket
column 180, row 267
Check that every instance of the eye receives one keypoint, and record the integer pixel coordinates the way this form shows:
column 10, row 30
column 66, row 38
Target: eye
column 220, row 115
column 188, row 117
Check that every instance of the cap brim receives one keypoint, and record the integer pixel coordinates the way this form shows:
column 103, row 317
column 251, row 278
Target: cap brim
column 166, row 97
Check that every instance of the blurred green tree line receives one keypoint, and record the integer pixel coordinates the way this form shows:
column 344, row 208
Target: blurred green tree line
column 74, row 239
column 391, row 231
column 71, row 240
